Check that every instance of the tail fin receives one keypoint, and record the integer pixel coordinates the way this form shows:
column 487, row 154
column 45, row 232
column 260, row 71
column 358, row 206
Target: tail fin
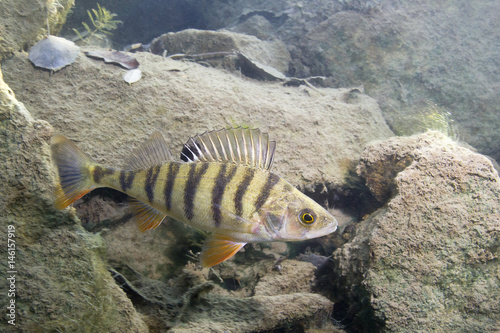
column 74, row 176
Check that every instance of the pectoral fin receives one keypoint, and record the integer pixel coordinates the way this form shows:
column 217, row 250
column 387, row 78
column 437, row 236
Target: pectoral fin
column 218, row 248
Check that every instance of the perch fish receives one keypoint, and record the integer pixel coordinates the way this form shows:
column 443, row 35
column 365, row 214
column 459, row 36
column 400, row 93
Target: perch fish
column 223, row 185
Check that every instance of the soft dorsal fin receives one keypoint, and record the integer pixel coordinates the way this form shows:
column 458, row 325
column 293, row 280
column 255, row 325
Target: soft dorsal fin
column 153, row 151
column 235, row 145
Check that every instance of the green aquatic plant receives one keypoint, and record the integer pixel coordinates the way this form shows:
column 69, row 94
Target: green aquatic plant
column 102, row 23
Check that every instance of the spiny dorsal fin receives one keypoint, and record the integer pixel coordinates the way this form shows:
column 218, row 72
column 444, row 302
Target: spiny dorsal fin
column 153, row 151
column 235, row 145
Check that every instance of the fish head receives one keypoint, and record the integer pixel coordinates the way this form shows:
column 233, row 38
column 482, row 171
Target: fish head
column 296, row 217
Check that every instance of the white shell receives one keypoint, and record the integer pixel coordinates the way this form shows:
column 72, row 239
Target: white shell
column 132, row 76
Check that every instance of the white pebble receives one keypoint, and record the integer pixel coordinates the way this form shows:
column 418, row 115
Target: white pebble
column 132, row 76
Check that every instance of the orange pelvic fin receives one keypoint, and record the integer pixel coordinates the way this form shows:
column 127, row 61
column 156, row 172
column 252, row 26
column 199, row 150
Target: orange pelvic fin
column 146, row 216
column 218, row 248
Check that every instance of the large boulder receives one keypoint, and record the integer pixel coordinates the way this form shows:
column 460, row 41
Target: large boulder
column 428, row 260
column 195, row 42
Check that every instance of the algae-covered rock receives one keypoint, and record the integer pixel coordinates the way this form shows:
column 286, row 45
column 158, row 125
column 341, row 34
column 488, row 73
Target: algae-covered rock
column 429, row 260
column 57, row 278
column 25, row 22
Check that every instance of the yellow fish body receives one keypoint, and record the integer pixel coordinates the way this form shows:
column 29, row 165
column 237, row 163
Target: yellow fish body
column 222, row 185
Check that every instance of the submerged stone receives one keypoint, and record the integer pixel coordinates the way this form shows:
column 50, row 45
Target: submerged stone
column 53, row 53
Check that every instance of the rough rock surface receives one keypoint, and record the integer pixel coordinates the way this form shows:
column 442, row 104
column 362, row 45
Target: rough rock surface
column 191, row 41
column 294, row 312
column 319, row 132
column 418, row 58
column 61, row 283
column 290, row 276
column 191, row 303
column 25, row 22
column 429, row 260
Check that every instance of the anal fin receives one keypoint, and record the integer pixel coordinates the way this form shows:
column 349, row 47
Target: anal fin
column 146, row 216
column 218, row 248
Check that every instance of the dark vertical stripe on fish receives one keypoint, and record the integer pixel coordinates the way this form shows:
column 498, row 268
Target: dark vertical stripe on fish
column 173, row 169
column 194, row 178
column 218, row 191
column 100, row 172
column 151, row 177
column 265, row 191
column 126, row 179
column 242, row 188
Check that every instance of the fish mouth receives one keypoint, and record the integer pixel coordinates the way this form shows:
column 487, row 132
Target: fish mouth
column 322, row 232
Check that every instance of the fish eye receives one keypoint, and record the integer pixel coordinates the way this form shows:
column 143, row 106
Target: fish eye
column 306, row 216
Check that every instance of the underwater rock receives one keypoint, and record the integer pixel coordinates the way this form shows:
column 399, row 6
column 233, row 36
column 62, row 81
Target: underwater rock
column 256, row 25
column 417, row 64
column 257, row 70
column 286, row 277
column 25, row 22
column 59, row 275
column 189, row 303
column 193, row 42
column 427, row 261
column 294, row 312
column 53, row 53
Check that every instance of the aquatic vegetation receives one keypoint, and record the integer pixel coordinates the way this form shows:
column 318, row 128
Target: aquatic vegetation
column 430, row 116
column 436, row 118
column 102, row 23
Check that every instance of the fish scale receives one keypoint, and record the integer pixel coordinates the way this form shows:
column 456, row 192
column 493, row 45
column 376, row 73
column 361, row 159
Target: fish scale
column 223, row 185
